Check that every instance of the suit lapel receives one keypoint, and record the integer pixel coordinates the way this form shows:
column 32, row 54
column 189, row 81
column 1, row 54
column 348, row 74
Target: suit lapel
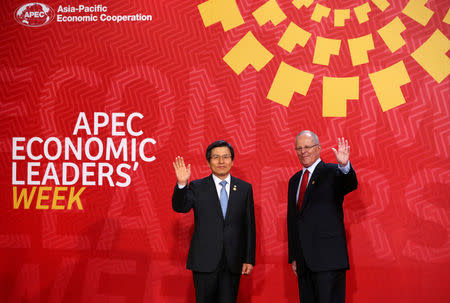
column 233, row 189
column 312, row 183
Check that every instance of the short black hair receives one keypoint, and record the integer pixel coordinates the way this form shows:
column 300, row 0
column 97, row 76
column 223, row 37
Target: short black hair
column 219, row 143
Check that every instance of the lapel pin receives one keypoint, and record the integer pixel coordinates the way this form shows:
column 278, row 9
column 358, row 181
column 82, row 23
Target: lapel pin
column 234, row 188
column 313, row 182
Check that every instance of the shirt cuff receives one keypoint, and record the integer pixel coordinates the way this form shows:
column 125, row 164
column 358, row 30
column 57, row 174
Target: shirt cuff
column 345, row 169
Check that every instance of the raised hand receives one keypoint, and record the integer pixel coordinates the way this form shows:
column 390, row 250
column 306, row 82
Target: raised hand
column 343, row 152
column 182, row 172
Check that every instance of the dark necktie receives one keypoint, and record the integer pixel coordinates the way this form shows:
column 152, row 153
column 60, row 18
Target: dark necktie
column 301, row 193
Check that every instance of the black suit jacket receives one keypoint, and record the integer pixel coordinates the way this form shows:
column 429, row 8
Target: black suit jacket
column 213, row 235
column 317, row 232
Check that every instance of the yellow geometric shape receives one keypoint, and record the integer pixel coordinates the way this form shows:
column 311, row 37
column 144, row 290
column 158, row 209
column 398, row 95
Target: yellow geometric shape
column 416, row 10
column 340, row 15
column 390, row 33
column 269, row 11
column 248, row 51
column 224, row 11
column 324, row 49
column 336, row 92
column 387, row 83
column 359, row 48
column 447, row 17
column 300, row 3
column 362, row 11
column 381, row 4
column 293, row 35
column 432, row 56
column 288, row 81
column 320, row 12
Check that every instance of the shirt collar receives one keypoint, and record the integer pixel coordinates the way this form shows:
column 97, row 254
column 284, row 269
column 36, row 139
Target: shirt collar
column 312, row 167
column 217, row 180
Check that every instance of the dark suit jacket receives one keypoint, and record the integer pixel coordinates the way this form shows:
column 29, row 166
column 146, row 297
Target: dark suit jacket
column 317, row 232
column 213, row 235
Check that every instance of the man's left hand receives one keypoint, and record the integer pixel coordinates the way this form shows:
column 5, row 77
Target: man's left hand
column 247, row 268
column 343, row 152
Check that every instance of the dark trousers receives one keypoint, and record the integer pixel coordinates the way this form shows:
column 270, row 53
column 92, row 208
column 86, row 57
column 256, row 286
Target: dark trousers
column 320, row 287
column 219, row 286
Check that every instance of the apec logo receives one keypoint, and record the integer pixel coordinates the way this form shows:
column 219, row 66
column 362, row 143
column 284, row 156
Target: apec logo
column 34, row 14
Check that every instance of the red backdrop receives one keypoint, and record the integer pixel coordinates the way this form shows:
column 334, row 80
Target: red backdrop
column 115, row 238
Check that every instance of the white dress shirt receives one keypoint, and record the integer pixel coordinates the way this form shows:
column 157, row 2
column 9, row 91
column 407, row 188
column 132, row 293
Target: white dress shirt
column 217, row 180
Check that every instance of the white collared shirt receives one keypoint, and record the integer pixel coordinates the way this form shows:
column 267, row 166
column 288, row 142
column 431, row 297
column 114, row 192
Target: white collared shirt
column 217, row 180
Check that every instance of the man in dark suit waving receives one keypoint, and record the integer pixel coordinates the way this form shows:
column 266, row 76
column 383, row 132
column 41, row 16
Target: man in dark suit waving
column 223, row 243
column 316, row 234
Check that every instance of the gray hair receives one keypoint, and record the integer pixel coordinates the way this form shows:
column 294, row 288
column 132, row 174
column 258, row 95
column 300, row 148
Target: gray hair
column 309, row 133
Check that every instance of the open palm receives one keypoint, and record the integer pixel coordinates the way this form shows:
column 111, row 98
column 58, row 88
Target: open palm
column 343, row 152
column 182, row 171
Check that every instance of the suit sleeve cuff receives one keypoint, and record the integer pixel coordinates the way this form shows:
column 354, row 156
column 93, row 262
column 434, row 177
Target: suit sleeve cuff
column 345, row 169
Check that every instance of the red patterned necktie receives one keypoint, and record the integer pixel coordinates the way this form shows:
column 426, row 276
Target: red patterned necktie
column 302, row 189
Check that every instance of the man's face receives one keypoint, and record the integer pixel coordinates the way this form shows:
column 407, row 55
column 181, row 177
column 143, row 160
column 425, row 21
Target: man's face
column 220, row 161
column 309, row 152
